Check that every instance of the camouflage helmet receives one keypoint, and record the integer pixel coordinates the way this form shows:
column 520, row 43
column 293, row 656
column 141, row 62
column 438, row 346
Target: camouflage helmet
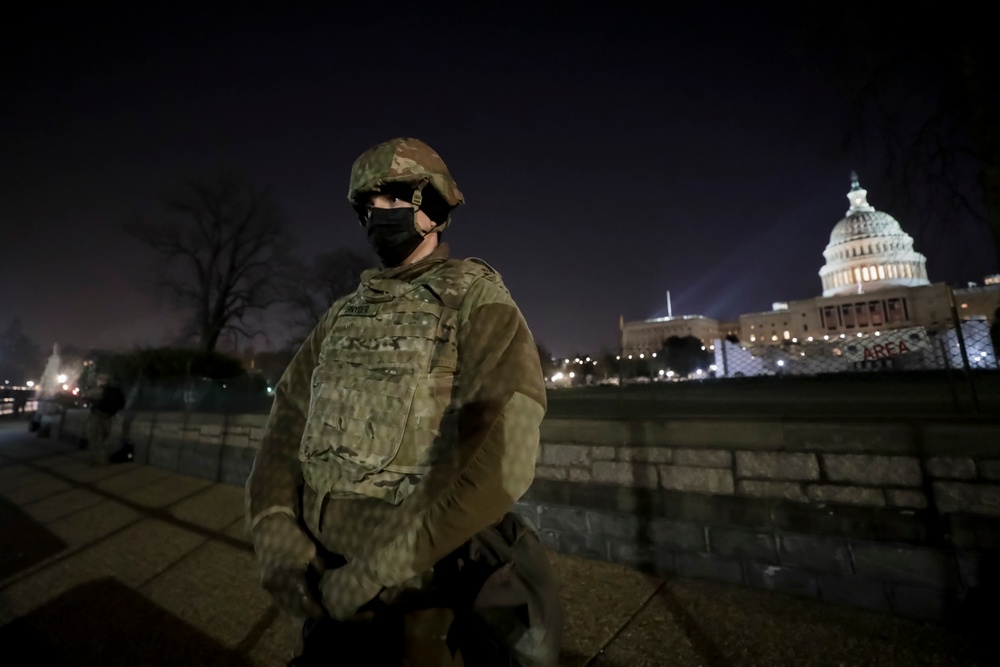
column 404, row 161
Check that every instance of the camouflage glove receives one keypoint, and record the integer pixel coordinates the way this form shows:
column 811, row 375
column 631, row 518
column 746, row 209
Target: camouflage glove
column 348, row 588
column 284, row 554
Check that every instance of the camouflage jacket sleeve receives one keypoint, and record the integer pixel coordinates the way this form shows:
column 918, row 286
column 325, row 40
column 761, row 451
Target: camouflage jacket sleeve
column 275, row 484
column 501, row 400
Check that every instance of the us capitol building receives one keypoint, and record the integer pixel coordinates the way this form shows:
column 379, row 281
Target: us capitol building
column 874, row 284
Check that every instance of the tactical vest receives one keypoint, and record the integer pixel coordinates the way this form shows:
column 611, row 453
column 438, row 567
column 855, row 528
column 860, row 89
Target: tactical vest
column 381, row 409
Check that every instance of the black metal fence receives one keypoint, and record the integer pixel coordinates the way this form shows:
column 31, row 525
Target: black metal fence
column 17, row 401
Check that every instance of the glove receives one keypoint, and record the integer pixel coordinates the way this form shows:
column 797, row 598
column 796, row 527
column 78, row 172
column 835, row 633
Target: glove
column 348, row 588
column 284, row 555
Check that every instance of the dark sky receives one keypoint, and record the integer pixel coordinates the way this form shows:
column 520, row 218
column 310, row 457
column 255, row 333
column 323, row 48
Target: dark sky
column 606, row 154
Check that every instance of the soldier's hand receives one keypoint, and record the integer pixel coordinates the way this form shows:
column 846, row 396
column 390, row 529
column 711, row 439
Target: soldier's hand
column 348, row 588
column 291, row 592
column 284, row 553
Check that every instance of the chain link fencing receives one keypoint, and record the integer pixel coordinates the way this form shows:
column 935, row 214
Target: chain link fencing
column 248, row 394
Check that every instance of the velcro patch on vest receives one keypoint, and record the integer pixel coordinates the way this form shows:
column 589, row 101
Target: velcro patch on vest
column 360, row 309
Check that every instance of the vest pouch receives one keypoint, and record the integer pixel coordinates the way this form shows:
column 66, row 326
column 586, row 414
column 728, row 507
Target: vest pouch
column 357, row 418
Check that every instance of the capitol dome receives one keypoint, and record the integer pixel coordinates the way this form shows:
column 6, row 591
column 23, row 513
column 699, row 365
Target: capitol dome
column 869, row 251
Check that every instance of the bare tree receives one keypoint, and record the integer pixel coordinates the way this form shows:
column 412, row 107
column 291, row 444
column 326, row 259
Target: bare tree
column 312, row 289
column 20, row 357
column 927, row 97
column 222, row 247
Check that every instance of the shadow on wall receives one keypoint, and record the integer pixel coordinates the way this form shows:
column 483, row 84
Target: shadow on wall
column 105, row 623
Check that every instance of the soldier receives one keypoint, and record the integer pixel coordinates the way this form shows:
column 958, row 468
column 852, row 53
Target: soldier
column 400, row 436
column 109, row 401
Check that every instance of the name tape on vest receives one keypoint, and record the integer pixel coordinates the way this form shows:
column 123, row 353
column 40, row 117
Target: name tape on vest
column 361, row 310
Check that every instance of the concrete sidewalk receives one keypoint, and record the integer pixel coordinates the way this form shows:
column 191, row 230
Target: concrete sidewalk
column 131, row 565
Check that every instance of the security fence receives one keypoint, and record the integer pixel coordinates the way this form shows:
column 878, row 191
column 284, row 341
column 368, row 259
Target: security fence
column 968, row 348
column 242, row 395
column 951, row 369
column 961, row 360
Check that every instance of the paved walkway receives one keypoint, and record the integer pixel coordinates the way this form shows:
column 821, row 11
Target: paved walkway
column 131, row 565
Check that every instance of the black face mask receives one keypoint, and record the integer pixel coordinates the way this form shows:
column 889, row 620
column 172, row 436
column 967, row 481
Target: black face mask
column 393, row 233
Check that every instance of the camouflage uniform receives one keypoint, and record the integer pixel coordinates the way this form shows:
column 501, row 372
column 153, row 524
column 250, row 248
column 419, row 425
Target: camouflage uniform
column 401, row 434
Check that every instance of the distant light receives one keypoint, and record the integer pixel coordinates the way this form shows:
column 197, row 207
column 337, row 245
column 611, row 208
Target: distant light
column 566, row 361
column 557, row 377
column 60, row 378
column 595, row 362
column 711, row 347
column 781, row 362
column 641, row 356
column 982, row 354
column 6, row 381
column 965, row 305
column 878, row 333
column 860, row 334
column 30, row 383
column 843, row 335
column 826, row 338
column 774, row 337
column 572, row 375
column 702, row 348
column 269, row 390
column 713, row 367
column 698, row 372
column 795, row 340
column 810, row 339
column 802, row 354
column 577, row 360
column 630, row 356
column 588, row 358
column 65, row 387
column 670, row 374
column 76, row 391
column 618, row 357
column 654, row 355
column 662, row 371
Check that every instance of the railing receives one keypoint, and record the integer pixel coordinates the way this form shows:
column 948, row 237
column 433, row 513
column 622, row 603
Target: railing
column 13, row 405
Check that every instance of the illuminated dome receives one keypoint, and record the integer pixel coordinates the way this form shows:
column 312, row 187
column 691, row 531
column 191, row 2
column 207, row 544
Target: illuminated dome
column 869, row 251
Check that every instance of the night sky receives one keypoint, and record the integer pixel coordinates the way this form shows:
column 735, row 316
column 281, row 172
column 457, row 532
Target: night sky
column 606, row 155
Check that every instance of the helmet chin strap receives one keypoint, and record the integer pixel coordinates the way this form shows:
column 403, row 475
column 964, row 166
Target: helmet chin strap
column 417, row 199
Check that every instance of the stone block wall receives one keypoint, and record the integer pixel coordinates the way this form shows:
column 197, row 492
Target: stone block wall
column 217, row 447
column 891, row 516
column 887, row 516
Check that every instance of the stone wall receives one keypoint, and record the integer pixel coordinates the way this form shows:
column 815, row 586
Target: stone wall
column 218, row 447
column 887, row 515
